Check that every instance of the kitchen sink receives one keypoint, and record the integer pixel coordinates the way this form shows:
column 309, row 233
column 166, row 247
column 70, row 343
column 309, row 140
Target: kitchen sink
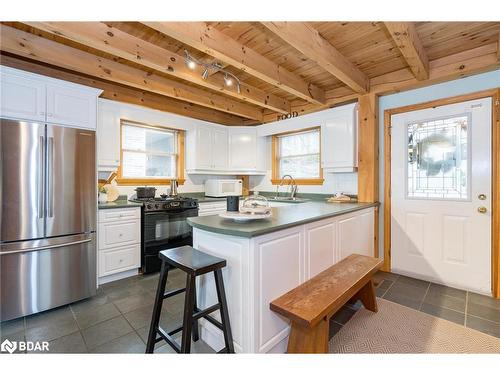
column 289, row 199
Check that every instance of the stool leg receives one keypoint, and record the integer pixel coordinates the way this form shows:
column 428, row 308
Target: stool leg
column 196, row 333
column 155, row 319
column 221, row 295
column 188, row 315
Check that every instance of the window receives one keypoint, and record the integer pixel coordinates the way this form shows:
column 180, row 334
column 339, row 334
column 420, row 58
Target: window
column 438, row 158
column 298, row 154
column 150, row 155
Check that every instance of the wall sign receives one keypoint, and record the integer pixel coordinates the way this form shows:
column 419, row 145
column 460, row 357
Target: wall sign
column 287, row 116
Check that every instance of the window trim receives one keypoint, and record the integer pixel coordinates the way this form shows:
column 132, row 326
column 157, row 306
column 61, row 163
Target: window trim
column 276, row 177
column 153, row 181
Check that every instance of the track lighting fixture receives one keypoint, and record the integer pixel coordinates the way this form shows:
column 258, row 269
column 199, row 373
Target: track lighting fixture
column 216, row 67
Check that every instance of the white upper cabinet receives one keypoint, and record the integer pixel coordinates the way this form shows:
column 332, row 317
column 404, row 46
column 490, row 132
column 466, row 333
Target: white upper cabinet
column 219, row 149
column 339, row 140
column 242, row 149
column 33, row 97
column 22, row 97
column 213, row 149
column 108, row 139
column 207, row 149
column 71, row 106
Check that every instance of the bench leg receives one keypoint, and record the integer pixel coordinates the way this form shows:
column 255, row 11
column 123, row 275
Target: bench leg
column 367, row 295
column 309, row 339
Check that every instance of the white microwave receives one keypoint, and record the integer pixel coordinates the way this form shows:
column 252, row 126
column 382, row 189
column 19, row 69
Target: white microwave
column 223, row 188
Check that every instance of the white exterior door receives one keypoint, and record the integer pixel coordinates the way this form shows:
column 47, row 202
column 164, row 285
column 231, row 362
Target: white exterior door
column 440, row 181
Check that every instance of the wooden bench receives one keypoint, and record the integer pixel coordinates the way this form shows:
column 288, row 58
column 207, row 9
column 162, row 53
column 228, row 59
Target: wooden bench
column 311, row 305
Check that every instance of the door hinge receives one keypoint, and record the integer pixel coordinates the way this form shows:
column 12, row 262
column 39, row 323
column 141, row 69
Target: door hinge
column 497, row 102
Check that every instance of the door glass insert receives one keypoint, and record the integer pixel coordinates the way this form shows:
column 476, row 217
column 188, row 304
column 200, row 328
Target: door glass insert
column 438, row 165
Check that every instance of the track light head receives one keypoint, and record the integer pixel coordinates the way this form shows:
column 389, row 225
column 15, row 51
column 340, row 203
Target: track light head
column 228, row 80
column 204, row 75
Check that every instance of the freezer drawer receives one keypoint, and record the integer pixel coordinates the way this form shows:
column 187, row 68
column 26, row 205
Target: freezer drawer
column 40, row 275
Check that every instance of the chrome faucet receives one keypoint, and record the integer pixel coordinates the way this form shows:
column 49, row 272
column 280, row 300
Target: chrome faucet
column 293, row 189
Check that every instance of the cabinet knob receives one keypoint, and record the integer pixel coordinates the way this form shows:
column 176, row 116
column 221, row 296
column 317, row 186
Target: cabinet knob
column 120, row 234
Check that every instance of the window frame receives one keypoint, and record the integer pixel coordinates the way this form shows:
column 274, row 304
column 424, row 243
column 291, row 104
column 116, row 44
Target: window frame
column 180, row 135
column 276, row 175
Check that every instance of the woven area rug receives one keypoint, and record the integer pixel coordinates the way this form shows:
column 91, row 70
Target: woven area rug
column 399, row 329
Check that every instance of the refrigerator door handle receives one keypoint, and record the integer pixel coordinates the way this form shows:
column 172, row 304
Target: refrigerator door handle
column 40, row 183
column 45, row 247
column 50, row 177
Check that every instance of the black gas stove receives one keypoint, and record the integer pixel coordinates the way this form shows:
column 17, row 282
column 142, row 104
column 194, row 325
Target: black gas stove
column 164, row 226
column 166, row 203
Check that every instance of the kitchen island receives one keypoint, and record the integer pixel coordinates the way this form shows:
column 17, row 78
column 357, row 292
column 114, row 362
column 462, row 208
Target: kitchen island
column 266, row 258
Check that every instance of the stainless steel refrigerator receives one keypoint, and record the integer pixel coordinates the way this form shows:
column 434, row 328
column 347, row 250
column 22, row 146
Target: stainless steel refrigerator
column 47, row 216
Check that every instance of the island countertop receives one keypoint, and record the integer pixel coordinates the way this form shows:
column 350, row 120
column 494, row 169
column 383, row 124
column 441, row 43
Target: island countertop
column 283, row 217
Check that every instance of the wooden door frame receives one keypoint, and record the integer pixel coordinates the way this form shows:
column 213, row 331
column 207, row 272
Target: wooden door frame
column 494, row 94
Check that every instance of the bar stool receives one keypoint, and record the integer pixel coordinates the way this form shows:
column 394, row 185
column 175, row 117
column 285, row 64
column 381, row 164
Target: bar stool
column 194, row 263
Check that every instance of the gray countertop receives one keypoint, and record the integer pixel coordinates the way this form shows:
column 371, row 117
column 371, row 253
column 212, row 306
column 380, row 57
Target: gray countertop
column 283, row 217
column 118, row 204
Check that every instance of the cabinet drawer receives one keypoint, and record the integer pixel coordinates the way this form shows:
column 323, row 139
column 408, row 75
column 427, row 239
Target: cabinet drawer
column 119, row 233
column 119, row 214
column 119, row 260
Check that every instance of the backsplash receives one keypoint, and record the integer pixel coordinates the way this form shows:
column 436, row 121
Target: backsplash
column 334, row 183
column 193, row 184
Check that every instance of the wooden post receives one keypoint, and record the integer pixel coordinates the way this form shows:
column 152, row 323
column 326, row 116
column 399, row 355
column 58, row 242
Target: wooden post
column 368, row 156
column 368, row 148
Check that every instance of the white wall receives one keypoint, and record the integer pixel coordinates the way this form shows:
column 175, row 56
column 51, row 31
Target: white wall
column 194, row 183
column 337, row 182
column 457, row 87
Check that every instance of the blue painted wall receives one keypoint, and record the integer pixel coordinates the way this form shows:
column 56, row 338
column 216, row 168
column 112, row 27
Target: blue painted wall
column 461, row 86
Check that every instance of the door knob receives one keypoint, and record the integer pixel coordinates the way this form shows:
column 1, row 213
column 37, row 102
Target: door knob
column 482, row 197
column 482, row 210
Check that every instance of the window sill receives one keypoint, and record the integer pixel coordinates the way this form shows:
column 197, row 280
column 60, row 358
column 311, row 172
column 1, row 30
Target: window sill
column 145, row 181
column 301, row 181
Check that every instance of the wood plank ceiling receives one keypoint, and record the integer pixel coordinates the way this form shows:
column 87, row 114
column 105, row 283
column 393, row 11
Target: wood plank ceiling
column 282, row 66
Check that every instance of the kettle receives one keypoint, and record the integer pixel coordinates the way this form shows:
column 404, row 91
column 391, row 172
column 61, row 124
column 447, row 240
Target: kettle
column 173, row 187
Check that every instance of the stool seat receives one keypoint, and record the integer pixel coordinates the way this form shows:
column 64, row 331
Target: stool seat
column 191, row 261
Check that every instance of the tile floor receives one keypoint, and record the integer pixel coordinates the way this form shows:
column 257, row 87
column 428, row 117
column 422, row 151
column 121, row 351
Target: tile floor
column 117, row 319
column 470, row 309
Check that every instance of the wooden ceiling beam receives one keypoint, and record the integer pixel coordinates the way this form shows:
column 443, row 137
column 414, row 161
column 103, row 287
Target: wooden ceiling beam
column 459, row 65
column 120, row 93
column 208, row 39
column 408, row 42
column 307, row 40
column 38, row 48
column 113, row 41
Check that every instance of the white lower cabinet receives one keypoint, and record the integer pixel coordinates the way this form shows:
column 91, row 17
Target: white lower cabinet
column 119, row 243
column 262, row 268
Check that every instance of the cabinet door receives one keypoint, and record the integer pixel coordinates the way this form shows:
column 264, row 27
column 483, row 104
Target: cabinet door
column 71, row 106
column 356, row 234
column 338, row 142
column 108, row 139
column 321, row 239
column 204, row 145
column 22, row 97
column 219, row 149
column 242, row 149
